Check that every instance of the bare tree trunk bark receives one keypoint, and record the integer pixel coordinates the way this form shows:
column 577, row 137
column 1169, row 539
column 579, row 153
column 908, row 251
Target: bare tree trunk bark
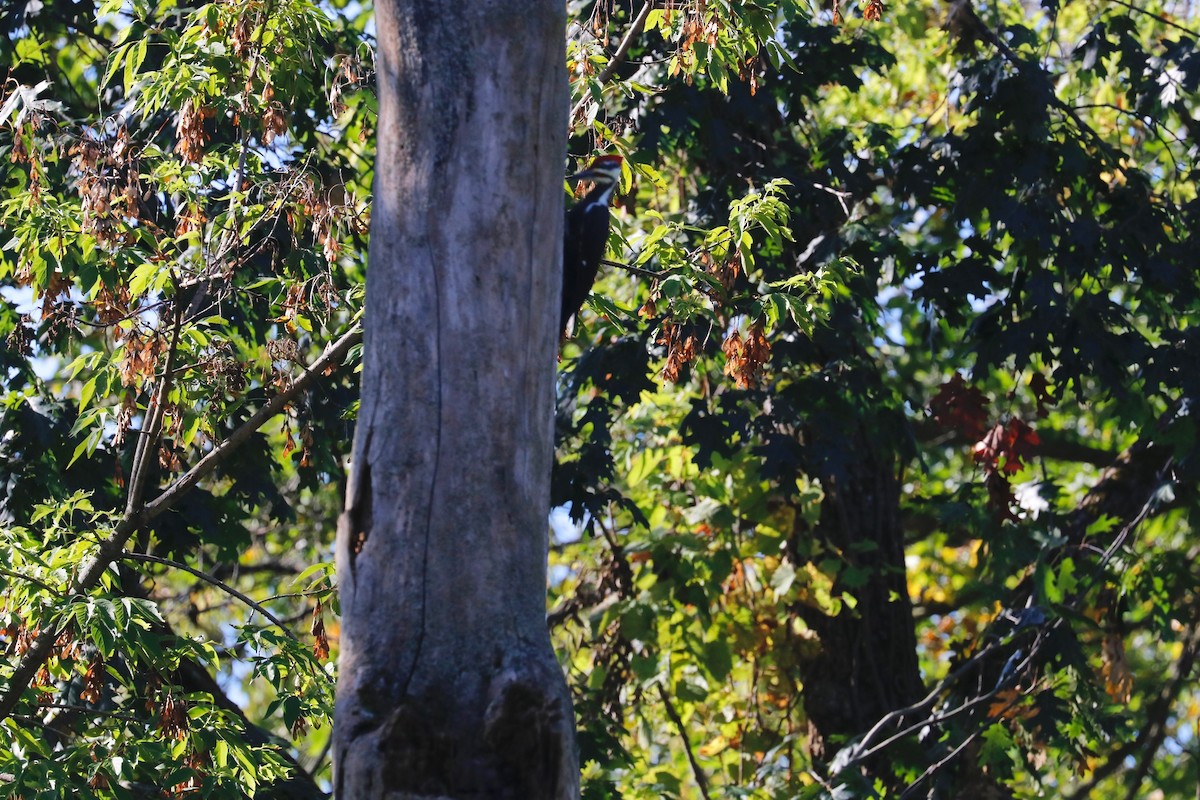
column 867, row 664
column 448, row 685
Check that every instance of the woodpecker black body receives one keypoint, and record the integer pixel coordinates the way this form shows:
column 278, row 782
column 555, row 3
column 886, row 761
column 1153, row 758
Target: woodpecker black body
column 585, row 237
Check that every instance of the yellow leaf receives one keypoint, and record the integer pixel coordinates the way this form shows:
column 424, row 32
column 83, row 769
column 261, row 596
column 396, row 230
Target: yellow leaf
column 715, row 746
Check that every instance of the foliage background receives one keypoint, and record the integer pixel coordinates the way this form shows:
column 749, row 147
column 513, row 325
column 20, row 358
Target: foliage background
column 894, row 370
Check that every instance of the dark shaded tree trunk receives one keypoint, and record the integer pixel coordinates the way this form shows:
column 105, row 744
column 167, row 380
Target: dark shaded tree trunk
column 866, row 666
column 449, row 687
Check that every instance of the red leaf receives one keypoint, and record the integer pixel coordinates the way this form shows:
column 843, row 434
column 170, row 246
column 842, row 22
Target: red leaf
column 1014, row 442
column 960, row 408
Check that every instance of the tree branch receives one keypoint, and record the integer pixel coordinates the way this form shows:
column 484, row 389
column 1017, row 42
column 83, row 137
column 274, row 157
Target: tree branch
column 112, row 547
column 204, row 576
column 1025, row 67
column 18, row 576
column 618, row 58
column 154, row 415
column 1161, row 19
column 649, row 273
column 697, row 772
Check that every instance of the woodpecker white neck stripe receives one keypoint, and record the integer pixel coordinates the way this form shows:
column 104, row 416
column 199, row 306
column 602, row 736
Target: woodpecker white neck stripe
column 604, row 196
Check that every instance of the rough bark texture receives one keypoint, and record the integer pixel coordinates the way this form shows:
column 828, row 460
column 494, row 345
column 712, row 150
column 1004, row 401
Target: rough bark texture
column 867, row 663
column 448, row 685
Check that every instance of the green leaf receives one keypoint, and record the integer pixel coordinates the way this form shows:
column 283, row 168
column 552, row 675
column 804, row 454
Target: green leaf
column 718, row 659
column 115, row 59
column 321, row 567
column 133, row 62
column 782, row 578
column 85, row 393
column 143, row 277
column 642, row 464
column 87, row 445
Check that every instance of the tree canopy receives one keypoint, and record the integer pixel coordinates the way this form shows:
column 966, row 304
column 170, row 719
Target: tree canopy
column 875, row 443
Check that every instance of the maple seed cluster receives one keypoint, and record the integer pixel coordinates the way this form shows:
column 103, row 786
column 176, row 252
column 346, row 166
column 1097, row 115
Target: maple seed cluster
column 108, row 185
column 351, row 73
column 274, row 120
column 328, row 209
column 727, row 271
column 23, row 152
column 17, row 638
column 695, row 30
column 681, row 351
column 141, row 357
column 744, row 357
column 190, row 130
column 242, row 35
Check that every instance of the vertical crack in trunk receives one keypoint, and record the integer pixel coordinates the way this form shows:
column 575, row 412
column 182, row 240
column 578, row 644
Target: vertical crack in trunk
column 449, row 686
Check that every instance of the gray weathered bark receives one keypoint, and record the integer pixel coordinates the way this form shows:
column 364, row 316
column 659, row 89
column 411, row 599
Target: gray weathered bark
column 448, row 685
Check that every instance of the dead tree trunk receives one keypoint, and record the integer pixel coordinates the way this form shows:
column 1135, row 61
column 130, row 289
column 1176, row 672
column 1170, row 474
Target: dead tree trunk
column 448, row 685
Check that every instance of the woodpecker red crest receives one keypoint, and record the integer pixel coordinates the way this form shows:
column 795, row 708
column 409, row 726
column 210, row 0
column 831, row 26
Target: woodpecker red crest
column 605, row 169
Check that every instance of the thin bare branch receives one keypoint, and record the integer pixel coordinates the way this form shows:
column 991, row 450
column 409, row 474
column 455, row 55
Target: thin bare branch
column 204, row 576
column 697, row 772
column 649, row 273
column 148, row 439
column 618, row 58
column 934, row 767
column 21, row 577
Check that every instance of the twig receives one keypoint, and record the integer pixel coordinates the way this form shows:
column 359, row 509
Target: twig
column 154, row 415
column 1021, row 667
column 934, row 767
column 618, row 58
column 1160, row 130
column 96, row 712
column 925, row 703
column 112, row 548
column 701, row 779
column 45, row 586
column 204, row 576
column 953, row 754
column 308, row 593
column 1163, row 20
column 649, row 273
column 939, row 719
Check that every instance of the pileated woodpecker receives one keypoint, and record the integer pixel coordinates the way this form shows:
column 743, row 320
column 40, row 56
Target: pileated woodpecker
column 586, row 235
